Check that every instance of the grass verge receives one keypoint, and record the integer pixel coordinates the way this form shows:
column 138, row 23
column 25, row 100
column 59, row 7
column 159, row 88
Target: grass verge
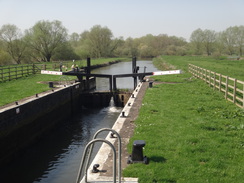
column 192, row 134
column 15, row 90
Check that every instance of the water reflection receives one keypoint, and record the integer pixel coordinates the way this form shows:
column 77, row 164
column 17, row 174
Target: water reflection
column 64, row 168
column 122, row 68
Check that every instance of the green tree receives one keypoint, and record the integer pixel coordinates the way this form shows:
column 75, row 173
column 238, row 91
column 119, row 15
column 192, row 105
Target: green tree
column 45, row 37
column 229, row 39
column 82, row 47
column 196, row 40
column 219, row 44
column 239, row 36
column 74, row 39
column 12, row 39
column 209, row 39
column 115, row 44
column 99, row 41
column 65, row 52
column 5, row 58
column 131, row 47
column 148, row 46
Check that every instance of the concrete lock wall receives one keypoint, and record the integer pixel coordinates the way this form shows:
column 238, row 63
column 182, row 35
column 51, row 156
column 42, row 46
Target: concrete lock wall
column 25, row 123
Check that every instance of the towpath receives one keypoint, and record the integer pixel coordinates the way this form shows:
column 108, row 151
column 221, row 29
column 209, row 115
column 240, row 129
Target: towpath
column 126, row 133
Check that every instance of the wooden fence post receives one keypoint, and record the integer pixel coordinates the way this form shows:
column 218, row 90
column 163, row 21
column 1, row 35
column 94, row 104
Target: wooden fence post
column 214, row 81
column 206, row 78
column 226, row 87
column 243, row 96
column 197, row 71
column 22, row 71
column 16, row 72
column 201, row 73
column 33, row 69
column 209, row 78
column 9, row 76
column 2, row 74
column 220, row 82
column 193, row 70
column 234, row 92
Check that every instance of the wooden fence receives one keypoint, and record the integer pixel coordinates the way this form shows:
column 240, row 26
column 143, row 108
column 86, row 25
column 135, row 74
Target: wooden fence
column 232, row 88
column 8, row 73
column 55, row 66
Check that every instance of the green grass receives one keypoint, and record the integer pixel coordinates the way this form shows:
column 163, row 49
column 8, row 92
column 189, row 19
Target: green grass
column 229, row 68
column 15, row 90
column 80, row 63
column 192, row 134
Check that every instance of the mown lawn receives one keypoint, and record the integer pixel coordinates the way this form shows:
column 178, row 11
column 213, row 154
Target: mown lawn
column 192, row 134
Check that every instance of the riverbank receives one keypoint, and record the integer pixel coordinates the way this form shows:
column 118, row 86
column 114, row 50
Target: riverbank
column 25, row 87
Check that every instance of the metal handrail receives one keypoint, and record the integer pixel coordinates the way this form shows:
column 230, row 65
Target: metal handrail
column 84, row 157
column 119, row 150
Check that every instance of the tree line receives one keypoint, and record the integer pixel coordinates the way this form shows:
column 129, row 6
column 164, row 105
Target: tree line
column 49, row 40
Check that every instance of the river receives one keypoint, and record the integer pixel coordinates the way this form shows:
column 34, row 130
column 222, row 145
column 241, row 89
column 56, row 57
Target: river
column 56, row 157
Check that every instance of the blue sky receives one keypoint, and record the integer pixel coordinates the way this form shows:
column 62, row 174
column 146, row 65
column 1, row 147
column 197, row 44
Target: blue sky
column 127, row 18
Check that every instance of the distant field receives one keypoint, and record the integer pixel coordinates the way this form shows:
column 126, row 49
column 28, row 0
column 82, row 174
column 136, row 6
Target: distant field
column 231, row 68
column 80, row 63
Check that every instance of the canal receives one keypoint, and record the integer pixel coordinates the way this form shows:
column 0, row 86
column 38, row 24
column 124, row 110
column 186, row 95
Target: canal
column 56, row 157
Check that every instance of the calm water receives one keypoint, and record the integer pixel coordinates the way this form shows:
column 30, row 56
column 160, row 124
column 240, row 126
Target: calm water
column 56, row 157
column 122, row 68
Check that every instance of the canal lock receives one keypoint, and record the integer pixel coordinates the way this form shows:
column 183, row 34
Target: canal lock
column 104, row 99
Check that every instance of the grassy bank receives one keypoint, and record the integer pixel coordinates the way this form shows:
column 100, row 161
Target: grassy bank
column 15, row 90
column 18, row 89
column 192, row 134
column 232, row 68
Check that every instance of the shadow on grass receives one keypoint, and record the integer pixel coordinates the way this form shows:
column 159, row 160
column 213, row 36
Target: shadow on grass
column 163, row 180
column 157, row 159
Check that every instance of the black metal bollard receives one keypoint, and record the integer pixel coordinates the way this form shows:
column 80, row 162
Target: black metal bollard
column 137, row 153
column 50, row 84
column 150, row 84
